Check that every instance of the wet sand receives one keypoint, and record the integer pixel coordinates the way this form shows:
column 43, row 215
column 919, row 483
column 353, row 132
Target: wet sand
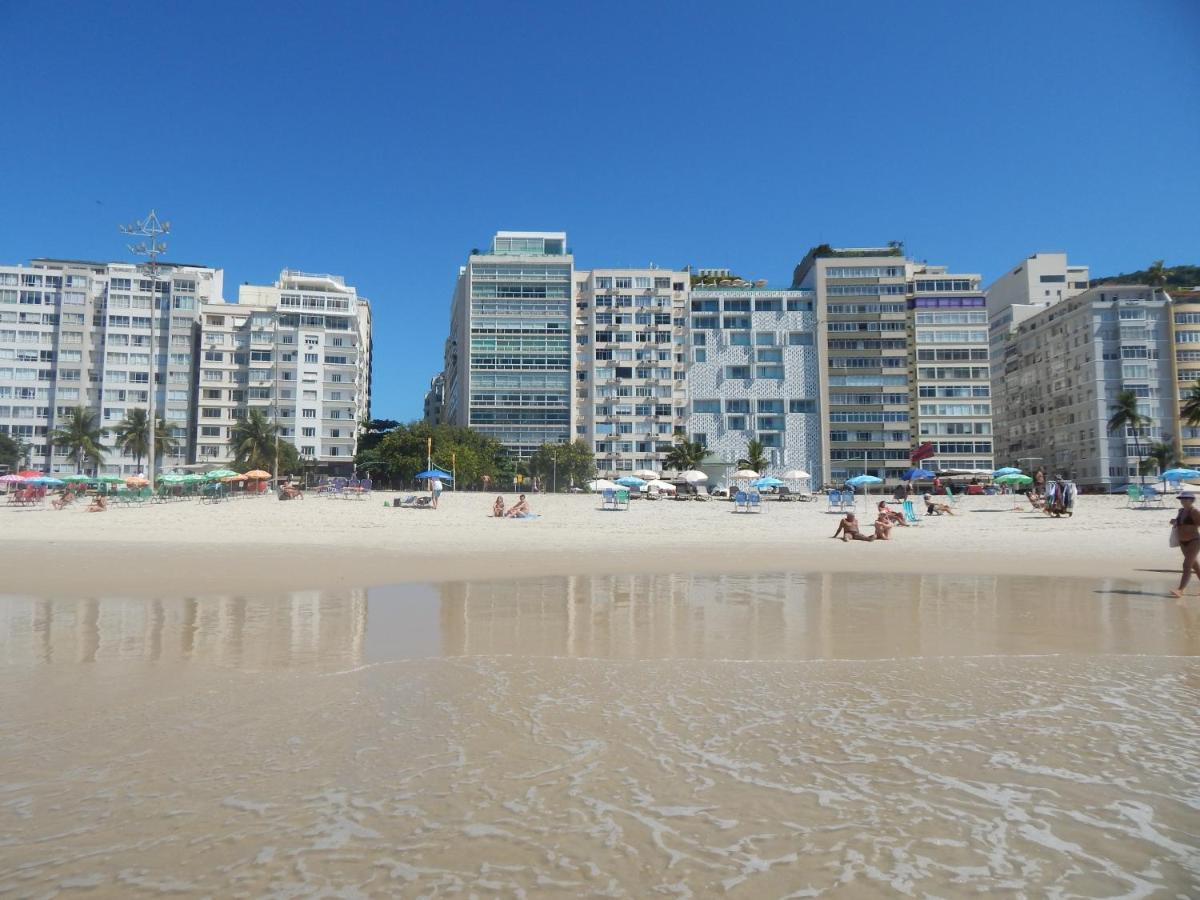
column 689, row 735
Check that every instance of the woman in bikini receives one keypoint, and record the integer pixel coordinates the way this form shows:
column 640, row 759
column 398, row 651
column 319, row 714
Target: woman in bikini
column 1187, row 526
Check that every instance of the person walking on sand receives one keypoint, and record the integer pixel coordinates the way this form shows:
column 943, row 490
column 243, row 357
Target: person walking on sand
column 1187, row 530
column 848, row 530
column 435, row 490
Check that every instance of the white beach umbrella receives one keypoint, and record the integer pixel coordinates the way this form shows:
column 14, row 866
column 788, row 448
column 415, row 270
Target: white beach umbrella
column 663, row 487
column 795, row 475
column 648, row 474
column 692, row 476
column 601, row 484
column 744, row 473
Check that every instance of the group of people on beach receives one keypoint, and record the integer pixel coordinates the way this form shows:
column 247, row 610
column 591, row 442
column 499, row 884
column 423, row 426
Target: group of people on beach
column 886, row 519
column 518, row 510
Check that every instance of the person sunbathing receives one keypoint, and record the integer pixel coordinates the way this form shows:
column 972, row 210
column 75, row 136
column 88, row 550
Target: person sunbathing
column 99, row 504
column 883, row 528
column 1034, row 500
column 933, row 508
column 290, row 491
column 520, row 508
column 848, row 530
column 64, row 500
column 498, row 508
column 890, row 516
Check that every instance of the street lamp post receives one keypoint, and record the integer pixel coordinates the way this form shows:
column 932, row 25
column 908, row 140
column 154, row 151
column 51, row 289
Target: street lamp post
column 151, row 247
column 554, row 482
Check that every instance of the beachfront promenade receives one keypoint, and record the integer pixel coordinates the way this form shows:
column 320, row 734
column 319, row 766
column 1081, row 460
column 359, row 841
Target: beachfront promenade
column 264, row 544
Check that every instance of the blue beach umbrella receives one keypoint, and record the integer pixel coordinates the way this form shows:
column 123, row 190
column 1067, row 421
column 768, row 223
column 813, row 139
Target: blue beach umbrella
column 767, row 481
column 435, row 473
column 631, row 481
column 913, row 474
column 1007, row 470
column 863, row 480
column 1179, row 474
column 45, row 480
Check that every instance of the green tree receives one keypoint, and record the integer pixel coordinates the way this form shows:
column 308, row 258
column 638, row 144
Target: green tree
column 1191, row 406
column 372, row 431
column 563, row 465
column 401, row 454
column 81, row 436
column 1160, row 456
column 1125, row 415
column 1156, row 275
column 132, row 436
column 685, row 454
column 254, row 440
column 12, row 451
column 755, row 458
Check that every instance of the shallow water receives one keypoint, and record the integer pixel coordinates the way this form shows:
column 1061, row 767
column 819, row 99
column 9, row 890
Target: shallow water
column 756, row 736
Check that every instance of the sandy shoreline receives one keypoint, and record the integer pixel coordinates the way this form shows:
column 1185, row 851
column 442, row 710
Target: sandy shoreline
column 262, row 544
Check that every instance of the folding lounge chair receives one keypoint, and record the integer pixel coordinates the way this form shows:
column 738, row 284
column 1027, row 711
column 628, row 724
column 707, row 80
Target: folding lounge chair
column 741, row 502
column 835, row 501
column 622, row 499
column 910, row 514
column 755, row 502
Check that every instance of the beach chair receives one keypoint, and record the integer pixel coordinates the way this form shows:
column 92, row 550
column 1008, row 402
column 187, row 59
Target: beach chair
column 1152, row 495
column 755, row 502
column 910, row 514
column 1133, row 495
column 741, row 502
column 835, row 501
column 951, row 495
column 622, row 498
column 608, row 499
column 783, row 493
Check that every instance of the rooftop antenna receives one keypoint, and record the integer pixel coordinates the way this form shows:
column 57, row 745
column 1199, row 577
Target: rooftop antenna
column 151, row 231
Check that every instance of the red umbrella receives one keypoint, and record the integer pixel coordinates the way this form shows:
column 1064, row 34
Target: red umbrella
column 29, row 473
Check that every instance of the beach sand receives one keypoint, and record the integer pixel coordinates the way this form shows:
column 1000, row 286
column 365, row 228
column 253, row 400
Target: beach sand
column 263, row 544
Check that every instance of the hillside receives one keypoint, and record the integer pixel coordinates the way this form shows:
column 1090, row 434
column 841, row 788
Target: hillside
column 1177, row 277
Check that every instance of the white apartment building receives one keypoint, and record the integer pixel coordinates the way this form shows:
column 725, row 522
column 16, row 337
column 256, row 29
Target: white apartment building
column 509, row 363
column 300, row 351
column 1062, row 372
column 754, row 373
column 77, row 333
column 630, row 365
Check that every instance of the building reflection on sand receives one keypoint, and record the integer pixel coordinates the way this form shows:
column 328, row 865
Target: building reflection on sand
column 767, row 616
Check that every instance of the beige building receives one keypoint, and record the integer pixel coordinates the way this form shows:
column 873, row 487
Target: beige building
column 300, row 351
column 1185, row 359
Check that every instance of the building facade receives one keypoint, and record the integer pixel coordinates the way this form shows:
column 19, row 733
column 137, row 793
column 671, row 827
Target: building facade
column 78, row 333
column 298, row 350
column 630, row 365
column 754, row 372
column 1063, row 370
column 509, row 364
column 1185, row 358
column 433, row 407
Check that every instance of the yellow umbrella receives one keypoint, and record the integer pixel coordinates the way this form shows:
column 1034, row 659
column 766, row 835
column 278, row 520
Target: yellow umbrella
column 258, row 473
column 234, row 478
column 136, row 481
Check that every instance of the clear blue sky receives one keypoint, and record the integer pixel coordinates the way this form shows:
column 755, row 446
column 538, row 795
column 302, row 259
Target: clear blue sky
column 383, row 141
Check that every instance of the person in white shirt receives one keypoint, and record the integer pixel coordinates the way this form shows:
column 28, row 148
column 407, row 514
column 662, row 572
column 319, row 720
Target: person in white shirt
column 435, row 488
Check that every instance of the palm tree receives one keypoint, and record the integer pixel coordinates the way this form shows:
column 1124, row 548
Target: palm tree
column 1156, row 275
column 1190, row 412
column 685, row 455
column 1161, row 456
column 1125, row 414
column 755, row 458
column 132, row 436
column 80, row 436
column 253, row 441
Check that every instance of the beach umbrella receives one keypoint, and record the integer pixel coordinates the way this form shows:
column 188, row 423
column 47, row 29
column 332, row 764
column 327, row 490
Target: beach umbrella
column 237, row 477
column 692, row 476
column 257, row 474
column 648, row 474
column 136, row 481
column 863, row 481
column 217, row 474
column 29, row 473
column 193, row 478
column 913, row 474
column 1179, row 474
column 631, row 481
column 11, row 479
column 76, row 479
column 663, row 487
column 1007, row 470
column 45, row 480
column 795, row 475
column 110, row 479
column 745, row 473
column 766, row 481
column 601, row 484
column 435, row 473
column 1016, row 479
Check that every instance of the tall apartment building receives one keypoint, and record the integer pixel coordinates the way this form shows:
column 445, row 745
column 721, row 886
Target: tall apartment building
column 905, row 361
column 755, row 373
column 509, row 363
column 1063, row 370
column 435, row 400
column 77, row 333
column 1185, row 356
column 630, row 394
column 300, row 351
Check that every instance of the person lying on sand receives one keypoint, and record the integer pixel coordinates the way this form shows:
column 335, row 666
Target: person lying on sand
column 890, row 516
column 848, row 530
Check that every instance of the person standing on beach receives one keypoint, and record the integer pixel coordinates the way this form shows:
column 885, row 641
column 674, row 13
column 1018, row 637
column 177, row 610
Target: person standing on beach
column 435, row 488
column 1187, row 529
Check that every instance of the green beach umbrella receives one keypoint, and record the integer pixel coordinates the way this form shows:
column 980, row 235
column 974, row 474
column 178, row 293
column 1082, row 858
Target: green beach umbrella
column 191, row 479
column 76, row 479
column 111, row 479
column 217, row 474
column 1014, row 479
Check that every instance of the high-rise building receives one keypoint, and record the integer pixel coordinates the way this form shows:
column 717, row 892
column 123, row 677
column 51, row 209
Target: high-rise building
column 1064, row 368
column 509, row 360
column 1185, row 347
column 300, row 351
column 435, row 400
column 905, row 362
column 630, row 365
column 77, row 333
column 754, row 373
